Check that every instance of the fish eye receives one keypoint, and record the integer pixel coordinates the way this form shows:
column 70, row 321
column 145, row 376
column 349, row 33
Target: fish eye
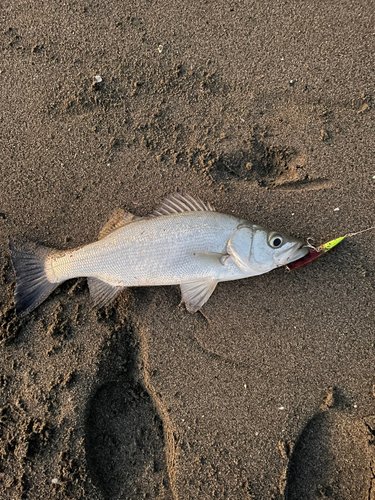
column 275, row 240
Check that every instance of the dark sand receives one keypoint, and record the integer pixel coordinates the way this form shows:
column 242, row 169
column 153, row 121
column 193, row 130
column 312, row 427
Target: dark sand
column 264, row 109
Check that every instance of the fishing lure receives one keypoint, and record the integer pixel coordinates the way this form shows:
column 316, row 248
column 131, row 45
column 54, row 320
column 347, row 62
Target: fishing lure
column 317, row 252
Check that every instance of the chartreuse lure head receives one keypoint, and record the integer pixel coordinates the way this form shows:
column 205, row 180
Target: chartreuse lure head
column 326, row 247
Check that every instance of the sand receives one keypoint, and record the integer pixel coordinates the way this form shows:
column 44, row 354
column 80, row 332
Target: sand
column 263, row 109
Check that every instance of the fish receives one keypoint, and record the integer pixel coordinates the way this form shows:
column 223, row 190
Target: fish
column 184, row 242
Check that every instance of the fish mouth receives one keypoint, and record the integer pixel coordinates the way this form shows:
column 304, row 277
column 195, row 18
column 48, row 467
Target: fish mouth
column 291, row 254
column 298, row 252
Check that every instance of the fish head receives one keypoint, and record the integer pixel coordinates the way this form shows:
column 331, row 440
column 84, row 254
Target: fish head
column 272, row 249
column 256, row 250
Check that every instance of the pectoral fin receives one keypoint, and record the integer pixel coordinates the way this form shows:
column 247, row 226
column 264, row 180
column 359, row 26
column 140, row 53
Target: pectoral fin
column 239, row 247
column 212, row 259
column 195, row 293
column 102, row 293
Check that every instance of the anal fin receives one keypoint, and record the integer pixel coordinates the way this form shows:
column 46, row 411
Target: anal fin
column 195, row 293
column 102, row 293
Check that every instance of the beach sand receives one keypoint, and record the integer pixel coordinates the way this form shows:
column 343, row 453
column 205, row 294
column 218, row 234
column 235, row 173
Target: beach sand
column 265, row 110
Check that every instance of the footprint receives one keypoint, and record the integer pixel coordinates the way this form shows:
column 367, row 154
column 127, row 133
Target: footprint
column 124, row 434
column 270, row 167
column 330, row 459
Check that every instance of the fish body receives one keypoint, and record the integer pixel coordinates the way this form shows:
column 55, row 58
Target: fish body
column 185, row 242
column 155, row 251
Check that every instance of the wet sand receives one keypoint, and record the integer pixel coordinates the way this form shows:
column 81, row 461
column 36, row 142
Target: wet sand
column 265, row 110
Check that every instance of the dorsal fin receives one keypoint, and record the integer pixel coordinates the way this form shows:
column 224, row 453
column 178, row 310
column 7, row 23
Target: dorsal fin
column 178, row 203
column 119, row 219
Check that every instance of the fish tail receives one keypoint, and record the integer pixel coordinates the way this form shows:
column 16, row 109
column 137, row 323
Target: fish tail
column 32, row 283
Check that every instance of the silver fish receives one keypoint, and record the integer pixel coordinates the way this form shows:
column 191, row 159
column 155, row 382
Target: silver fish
column 185, row 242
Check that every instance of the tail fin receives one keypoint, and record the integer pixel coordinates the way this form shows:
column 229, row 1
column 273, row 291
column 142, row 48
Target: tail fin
column 32, row 285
